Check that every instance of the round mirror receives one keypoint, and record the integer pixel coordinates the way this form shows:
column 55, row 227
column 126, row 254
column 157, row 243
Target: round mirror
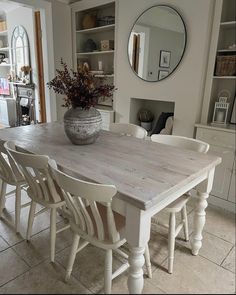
column 157, row 43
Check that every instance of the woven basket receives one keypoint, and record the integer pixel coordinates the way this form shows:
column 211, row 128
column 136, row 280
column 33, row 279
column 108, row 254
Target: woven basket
column 225, row 65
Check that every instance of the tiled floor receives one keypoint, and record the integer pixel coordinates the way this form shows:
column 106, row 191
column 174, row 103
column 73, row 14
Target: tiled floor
column 25, row 267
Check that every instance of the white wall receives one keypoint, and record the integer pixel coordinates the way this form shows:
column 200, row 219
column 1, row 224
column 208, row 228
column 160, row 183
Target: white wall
column 185, row 86
column 62, row 38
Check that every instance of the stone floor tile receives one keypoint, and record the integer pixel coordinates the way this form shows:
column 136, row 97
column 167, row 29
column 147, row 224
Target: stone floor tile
column 3, row 245
column 11, row 266
column 229, row 262
column 220, row 223
column 158, row 248
column 8, row 232
column 10, row 201
column 213, row 248
column 38, row 248
column 119, row 286
column 46, row 278
column 194, row 275
column 41, row 222
column 88, row 267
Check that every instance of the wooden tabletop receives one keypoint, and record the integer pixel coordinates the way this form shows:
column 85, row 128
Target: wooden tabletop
column 143, row 171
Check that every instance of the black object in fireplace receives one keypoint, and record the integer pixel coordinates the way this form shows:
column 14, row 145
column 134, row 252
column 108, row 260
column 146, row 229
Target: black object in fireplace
column 25, row 105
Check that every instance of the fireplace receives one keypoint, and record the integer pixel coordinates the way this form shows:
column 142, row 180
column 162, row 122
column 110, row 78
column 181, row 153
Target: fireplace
column 25, row 104
column 156, row 107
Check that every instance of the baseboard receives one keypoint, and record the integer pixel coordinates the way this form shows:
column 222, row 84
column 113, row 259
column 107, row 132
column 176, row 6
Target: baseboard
column 226, row 205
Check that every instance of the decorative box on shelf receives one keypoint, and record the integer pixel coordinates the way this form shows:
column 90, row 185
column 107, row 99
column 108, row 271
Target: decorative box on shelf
column 225, row 65
column 107, row 45
column 3, row 25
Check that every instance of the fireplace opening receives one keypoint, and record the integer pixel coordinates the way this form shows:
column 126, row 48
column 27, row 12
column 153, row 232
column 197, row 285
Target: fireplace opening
column 161, row 114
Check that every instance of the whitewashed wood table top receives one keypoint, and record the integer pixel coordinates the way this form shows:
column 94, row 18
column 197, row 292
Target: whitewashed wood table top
column 143, row 171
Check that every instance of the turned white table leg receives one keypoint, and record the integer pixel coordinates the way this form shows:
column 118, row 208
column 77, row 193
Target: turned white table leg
column 137, row 229
column 136, row 261
column 199, row 222
column 203, row 191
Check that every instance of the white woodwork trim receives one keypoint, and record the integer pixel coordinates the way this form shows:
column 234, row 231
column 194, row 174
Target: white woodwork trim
column 211, row 60
column 223, row 204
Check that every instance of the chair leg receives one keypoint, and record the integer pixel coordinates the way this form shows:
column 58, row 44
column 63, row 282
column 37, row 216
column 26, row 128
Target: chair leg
column 171, row 242
column 185, row 222
column 30, row 220
column 108, row 272
column 148, row 262
column 17, row 207
column 2, row 196
column 71, row 260
column 53, row 232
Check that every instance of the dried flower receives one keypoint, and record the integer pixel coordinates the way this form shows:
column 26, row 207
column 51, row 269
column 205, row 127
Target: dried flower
column 79, row 87
column 26, row 69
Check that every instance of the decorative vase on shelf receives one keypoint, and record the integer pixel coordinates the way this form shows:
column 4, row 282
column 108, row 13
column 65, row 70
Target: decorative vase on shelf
column 82, row 126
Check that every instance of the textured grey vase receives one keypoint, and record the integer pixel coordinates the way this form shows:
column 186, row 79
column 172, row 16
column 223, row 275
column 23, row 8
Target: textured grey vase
column 82, row 126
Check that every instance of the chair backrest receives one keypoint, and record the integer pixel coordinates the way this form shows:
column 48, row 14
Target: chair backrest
column 83, row 199
column 36, row 172
column 9, row 172
column 182, row 142
column 128, row 129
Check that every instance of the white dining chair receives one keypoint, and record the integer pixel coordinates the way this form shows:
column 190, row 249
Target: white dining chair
column 180, row 204
column 93, row 221
column 128, row 129
column 11, row 175
column 42, row 190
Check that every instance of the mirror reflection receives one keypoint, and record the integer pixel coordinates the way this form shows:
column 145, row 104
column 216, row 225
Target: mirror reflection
column 156, row 43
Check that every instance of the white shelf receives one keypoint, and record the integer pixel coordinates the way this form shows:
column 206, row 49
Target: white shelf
column 3, row 33
column 5, row 65
column 4, row 49
column 103, row 76
column 228, row 25
column 226, row 50
column 95, row 52
column 224, row 77
column 97, row 29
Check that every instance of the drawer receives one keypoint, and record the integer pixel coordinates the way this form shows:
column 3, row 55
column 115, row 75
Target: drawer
column 217, row 138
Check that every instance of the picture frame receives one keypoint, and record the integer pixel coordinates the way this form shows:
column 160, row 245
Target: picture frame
column 233, row 113
column 164, row 60
column 162, row 74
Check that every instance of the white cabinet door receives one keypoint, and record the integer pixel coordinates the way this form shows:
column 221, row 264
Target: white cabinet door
column 223, row 171
column 232, row 190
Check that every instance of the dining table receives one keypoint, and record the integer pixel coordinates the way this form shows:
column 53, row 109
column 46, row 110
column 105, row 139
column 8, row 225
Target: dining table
column 148, row 177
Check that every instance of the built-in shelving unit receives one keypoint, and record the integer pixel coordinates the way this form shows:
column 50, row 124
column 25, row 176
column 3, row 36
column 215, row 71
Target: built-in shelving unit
column 99, row 59
column 221, row 137
column 223, row 39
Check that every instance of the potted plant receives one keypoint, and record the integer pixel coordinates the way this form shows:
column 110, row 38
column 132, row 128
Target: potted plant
column 145, row 117
column 82, row 122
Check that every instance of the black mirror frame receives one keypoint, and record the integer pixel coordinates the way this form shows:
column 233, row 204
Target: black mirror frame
column 185, row 43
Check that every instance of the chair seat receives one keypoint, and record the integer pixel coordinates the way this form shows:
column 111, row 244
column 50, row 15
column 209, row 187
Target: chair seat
column 120, row 226
column 177, row 205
